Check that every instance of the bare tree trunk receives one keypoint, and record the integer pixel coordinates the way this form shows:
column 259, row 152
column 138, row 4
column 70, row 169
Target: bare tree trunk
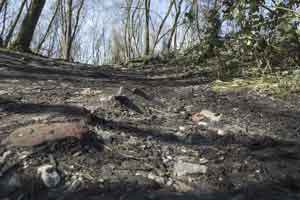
column 147, row 34
column 175, row 39
column 2, row 3
column 77, row 22
column 134, row 29
column 184, row 36
column 178, row 12
column 28, row 25
column 48, row 28
column 14, row 24
column 195, row 8
column 127, row 29
column 162, row 25
column 71, row 28
column 3, row 25
column 67, row 52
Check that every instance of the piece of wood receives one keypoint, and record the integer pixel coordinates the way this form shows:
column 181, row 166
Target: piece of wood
column 36, row 134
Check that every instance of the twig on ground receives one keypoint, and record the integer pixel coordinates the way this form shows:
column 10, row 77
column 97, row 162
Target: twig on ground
column 122, row 154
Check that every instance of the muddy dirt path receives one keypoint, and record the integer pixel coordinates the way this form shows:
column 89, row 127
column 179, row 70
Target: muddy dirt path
column 156, row 133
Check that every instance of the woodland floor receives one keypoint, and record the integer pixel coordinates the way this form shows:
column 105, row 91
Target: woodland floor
column 258, row 156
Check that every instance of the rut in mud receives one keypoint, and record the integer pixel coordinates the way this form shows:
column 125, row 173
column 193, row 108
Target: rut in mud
column 143, row 140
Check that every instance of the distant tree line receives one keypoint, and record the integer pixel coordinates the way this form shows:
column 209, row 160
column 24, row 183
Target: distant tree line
column 265, row 30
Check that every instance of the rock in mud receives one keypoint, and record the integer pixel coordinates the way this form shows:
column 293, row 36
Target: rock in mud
column 49, row 175
column 183, row 168
column 156, row 178
column 36, row 134
column 206, row 115
column 107, row 136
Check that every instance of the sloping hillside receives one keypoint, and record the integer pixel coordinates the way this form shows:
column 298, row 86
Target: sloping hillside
column 109, row 132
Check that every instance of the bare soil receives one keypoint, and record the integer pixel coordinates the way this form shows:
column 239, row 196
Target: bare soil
column 140, row 135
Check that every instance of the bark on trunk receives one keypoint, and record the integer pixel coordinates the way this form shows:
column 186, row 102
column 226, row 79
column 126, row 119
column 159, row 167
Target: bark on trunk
column 3, row 24
column 68, row 39
column 14, row 24
column 48, row 28
column 2, row 2
column 156, row 41
column 174, row 28
column 24, row 37
column 147, row 34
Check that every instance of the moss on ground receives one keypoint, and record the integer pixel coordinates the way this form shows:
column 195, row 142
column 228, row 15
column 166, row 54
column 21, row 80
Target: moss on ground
column 279, row 84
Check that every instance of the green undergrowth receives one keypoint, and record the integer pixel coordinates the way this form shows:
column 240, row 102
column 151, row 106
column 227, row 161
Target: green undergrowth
column 280, row 84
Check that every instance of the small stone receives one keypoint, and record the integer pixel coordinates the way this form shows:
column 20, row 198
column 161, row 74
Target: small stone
column 221, row 158
column 203, row 124
column 156, row 178
column 74, row 185
column 26, row 164
column 189, row 108
column 78, row 153
column 170, row 182
column 3, row 158
column 203, row 161
column 182, row 168
column 49, row 175
column 183, row 113
column 122, row 134
column 86, row 92
column 138, row 174
column 197, row 117
column 2, row 92
column 180, row 135
column 181, row 128
column 105, row 99
column 235, row 109
column 132, row 140
column 105, row 135
column 206, row 114
column 183, row 150
column 41, row 118
column 169, row 157
column 221, row 132
column 101, row 180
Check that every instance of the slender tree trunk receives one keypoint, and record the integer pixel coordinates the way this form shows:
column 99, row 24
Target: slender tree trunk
column 196, row 17
column 14, row 24
column 3, row 25
column 48, row 28
column 156, row 41
column 178, row 12
column 67, row 53
column 70, row 33
column 76, row 26
column 175, row 39
column 147, row 34
column 28, row 26
column 134, row 32
column 2, row 3
column 127, row 28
